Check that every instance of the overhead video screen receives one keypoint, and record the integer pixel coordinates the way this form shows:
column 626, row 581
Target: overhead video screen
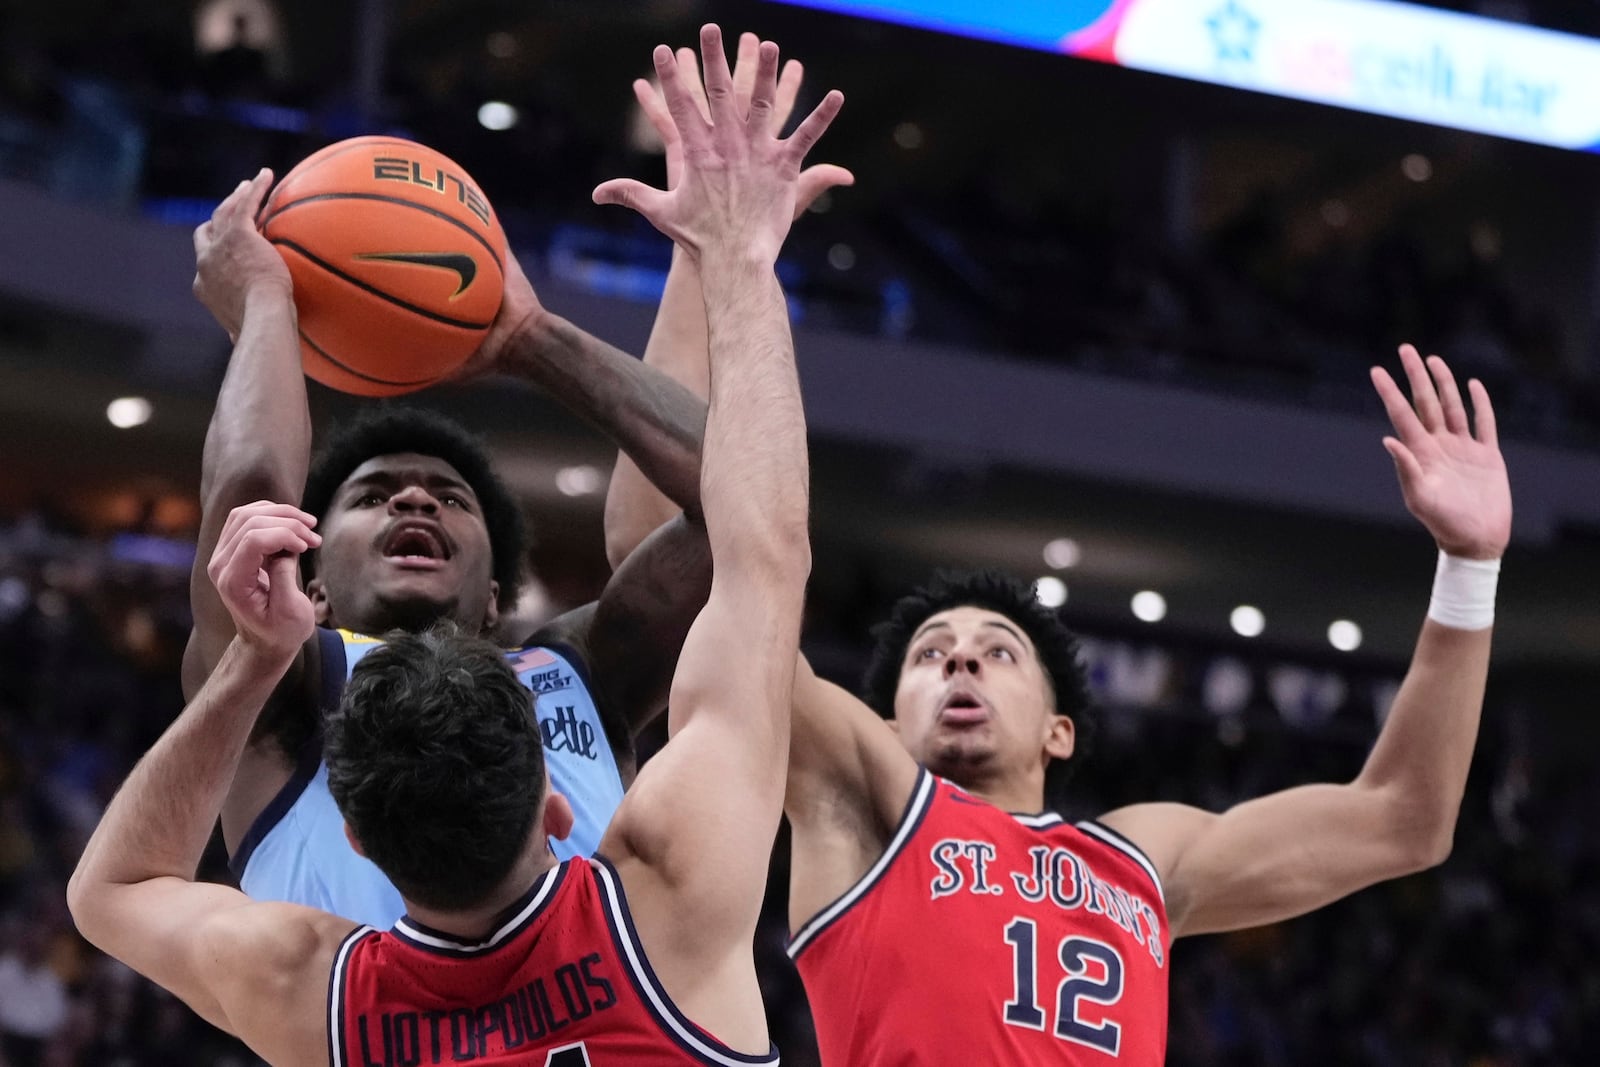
column 1401, row 60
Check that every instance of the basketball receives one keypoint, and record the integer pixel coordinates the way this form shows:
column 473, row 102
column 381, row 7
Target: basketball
column 397, row 260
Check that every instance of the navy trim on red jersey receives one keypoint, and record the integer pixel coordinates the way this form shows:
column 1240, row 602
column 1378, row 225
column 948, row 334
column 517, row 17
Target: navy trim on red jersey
column 515, row 919
column 916, row 810
column 1101, row 832
column 1044, row 820
column 684, row 1033
column 336, row 981
column 333, row 677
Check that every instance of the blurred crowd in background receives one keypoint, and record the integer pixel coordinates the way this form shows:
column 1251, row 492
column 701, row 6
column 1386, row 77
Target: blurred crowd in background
column 141, row 117
column 1485, row 962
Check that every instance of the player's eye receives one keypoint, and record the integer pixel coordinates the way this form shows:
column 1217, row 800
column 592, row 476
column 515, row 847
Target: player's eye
column 929, row 654
column 455, row 500
column 367, row 500
column 1003, row 654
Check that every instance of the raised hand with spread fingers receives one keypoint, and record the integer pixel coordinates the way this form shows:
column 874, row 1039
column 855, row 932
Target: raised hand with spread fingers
column 1451, row 472
column 740, row 179
column 813, row 181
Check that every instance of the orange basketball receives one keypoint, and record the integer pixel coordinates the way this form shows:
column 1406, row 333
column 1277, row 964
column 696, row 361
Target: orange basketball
column 397, row 261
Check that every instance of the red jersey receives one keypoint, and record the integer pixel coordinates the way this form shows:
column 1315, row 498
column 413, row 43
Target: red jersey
column 561, row 982
column 981, row 937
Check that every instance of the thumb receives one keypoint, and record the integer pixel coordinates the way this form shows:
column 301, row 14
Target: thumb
column 1405, row 464
column 625, row 192
column 814, row 181
column 283, row 574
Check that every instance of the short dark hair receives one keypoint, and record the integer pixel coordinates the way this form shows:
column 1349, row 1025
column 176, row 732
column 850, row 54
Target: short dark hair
column 434, row 759
column 1009, row 596
column 390, row 429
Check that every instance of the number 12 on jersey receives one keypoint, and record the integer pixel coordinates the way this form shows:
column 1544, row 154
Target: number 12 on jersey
column 1093, row 973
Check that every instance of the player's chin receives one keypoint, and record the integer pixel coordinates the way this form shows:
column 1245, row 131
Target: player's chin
column 951, row 754
column 414, row 605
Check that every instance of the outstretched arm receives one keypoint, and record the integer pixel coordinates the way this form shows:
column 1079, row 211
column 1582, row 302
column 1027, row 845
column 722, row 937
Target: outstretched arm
column 1292, row 852
column 258, row 445
column 678, row 341
column 133, row 894
column 692, row 837
column 662, row 563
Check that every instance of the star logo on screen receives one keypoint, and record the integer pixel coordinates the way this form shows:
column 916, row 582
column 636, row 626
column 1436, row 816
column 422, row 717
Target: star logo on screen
column 1233, row 33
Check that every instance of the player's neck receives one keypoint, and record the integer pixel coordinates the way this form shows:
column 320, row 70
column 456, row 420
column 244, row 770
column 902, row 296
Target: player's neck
column 477, row 922
column 1023, row 797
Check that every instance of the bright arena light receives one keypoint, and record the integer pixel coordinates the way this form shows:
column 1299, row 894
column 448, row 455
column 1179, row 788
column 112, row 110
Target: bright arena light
column 1344, row 635
column 1050, row 591
column 126, row 412
column 1247, row 621
column 497, row 115
column 1149, row 606
column 582, row 480
column 1061, row 553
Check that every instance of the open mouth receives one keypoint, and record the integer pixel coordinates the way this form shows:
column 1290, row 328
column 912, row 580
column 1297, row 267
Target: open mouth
column 963, row 709
column 415, row 543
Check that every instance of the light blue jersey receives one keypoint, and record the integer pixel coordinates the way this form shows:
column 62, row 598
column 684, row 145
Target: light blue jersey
column 297, row 852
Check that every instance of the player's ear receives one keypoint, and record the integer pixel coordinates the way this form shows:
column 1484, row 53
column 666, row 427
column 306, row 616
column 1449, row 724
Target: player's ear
column 319, row 600
column 1060, row 737
column 558, row 818
column 350, row 836
column 491, row 614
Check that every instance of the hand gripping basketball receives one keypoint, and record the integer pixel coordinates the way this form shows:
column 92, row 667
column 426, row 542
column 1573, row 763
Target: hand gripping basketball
column 255, row 570
column 739, row 188
column 232, row 259
column 398, row 262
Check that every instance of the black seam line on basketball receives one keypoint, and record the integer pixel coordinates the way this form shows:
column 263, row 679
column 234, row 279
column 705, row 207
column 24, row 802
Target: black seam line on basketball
column 318, row 349
column 460, row 324
column 370, row 141
column 463, row 266
column 435, row 212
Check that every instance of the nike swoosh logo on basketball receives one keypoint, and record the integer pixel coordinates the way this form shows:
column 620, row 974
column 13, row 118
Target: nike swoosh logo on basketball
column 464, row 266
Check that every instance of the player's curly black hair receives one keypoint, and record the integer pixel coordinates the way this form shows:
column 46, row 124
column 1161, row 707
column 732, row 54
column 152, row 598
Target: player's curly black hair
column 434, row 759
column 391, row 429
column 1013, row 598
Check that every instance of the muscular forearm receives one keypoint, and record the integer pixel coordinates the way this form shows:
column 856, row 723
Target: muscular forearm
column 258, row 447
column 1425, row 748
column 261, row 428
column 756, row 477
column 159, row 822
column 677, row 348
column 652, row 418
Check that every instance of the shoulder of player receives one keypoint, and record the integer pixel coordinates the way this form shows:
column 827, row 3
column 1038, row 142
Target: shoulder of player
column 844, row 760
column 569, row 630
column 283, row 941
column 277, row 1001
column 1163, row 832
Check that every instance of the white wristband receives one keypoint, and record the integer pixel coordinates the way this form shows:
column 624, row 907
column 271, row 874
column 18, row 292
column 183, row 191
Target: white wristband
column 1463, row 592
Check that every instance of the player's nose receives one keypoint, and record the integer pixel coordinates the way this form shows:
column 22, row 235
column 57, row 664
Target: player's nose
column 958, row 663
column 413, row 498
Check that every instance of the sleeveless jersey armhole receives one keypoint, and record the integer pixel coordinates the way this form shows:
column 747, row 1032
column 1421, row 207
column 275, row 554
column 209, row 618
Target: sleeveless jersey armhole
column 336, row 998
column 331, row 648
column 1106, row 835
column 922, row 794
column 686, row 1034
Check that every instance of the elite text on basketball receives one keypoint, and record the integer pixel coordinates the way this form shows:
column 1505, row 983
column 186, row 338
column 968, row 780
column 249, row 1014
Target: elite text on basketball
column 398, row 169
